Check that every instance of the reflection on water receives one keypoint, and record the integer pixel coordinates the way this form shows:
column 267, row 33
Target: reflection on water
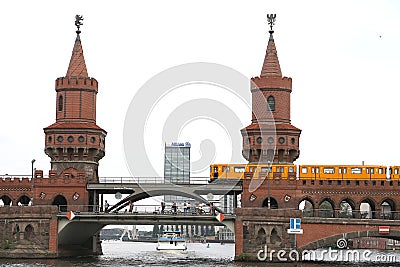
column 144, row 254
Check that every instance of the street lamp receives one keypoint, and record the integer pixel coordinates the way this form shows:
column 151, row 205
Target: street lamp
column 269, row 195
column 33, row 192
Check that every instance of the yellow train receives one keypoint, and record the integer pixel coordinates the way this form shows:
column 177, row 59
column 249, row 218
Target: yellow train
column 248, row 171
column 304, row 172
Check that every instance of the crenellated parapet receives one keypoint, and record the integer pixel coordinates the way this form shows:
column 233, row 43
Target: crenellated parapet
column 77, row 83
column 271, row 82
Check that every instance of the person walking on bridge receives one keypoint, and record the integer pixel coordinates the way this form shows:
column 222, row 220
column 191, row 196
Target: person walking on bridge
column 130, row 206
column 173, row 207
column 162, row 207
column 106, row 206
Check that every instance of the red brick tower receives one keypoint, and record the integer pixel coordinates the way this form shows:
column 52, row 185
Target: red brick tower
column 74, row 142
column 270, row 137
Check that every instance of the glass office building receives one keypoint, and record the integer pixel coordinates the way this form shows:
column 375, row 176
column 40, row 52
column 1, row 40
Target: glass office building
column 177, row 163
column 177, row 167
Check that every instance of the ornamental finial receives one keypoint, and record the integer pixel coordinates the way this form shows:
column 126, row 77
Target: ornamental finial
column 271, row 21
column 78, row 22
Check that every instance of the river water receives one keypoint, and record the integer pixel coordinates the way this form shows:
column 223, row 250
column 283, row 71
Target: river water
column 122, row 254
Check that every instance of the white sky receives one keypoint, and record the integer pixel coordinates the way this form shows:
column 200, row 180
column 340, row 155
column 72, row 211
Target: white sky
column 343, row 56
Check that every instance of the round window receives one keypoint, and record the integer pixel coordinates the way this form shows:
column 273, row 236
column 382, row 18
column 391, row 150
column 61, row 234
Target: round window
column 92, row 139
column 259, row 140
column 281, row 140
column 293, row 141
column 60, row 138
column 81, row 139
column 270, row 140
column 70, row 138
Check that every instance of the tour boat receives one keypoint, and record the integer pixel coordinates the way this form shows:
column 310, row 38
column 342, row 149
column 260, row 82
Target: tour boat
column 171, row 240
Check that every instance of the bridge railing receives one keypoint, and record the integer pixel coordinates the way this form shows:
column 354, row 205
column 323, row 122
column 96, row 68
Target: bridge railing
column 153, row 180
column 352, row 214
column 139, row 209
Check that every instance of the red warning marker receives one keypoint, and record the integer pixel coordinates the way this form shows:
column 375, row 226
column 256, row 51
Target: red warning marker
column 220, row 217
column 70, row 215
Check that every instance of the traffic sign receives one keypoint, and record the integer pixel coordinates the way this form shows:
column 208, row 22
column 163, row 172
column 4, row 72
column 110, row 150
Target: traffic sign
column 295, row 223
column 295, row 226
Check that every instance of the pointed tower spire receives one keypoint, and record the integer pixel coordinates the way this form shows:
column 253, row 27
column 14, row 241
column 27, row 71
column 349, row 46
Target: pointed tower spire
column 271, row 65
column 77, row 65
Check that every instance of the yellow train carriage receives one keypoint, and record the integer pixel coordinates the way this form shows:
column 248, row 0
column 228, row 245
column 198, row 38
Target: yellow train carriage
column 394, row 172
column 342, row 172
column 248, row 171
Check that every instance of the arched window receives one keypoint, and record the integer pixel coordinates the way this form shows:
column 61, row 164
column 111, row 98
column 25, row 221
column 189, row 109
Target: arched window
column 60, row 103
column 271, row 103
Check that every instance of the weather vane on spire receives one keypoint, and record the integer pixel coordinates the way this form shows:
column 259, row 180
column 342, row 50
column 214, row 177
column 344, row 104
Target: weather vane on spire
column 271, row 21
column 78, row 22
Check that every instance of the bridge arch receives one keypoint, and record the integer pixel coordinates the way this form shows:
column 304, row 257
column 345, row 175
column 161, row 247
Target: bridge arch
column 347, row 206
column 388, row 208
column 148, row 192
column 61, row 202
column 307, row 206
column 367, row 208
column 23, row 200
column 331, row 240
column 326, row 208
column 273, row 203
column 6, row 199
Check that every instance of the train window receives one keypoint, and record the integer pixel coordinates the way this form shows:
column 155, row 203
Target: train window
column 372, row 170
column 314, row 170
column 228, row 168
column 239, row 169
column 329, row 170
column 291, row 169
column 223, row 168
column 356, row 170
column 380, row 170
column 304, row 170
column 266, row 169
column 396, row 171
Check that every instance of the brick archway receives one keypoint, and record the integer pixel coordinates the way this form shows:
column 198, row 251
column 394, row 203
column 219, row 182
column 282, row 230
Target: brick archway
column 309, row 206
column 7, row 200
column 324, row 210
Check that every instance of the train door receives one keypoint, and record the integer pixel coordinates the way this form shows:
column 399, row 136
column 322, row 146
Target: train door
column 215, row 176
